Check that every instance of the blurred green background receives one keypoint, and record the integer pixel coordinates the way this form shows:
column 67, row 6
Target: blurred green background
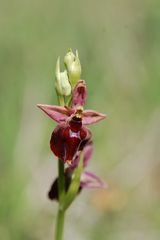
column 119, row 47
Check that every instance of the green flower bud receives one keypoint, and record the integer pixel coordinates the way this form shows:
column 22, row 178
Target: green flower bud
column 73, row 66
column 62, row 84
column 69, row 58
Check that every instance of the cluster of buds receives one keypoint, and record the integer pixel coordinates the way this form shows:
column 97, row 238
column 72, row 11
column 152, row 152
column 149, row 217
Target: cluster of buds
column 65, row 81
column 71, row 136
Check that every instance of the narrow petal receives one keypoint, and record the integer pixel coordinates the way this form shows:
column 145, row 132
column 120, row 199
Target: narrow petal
column 79, row 94
column 57, row 113
column 91, row 117
column 90, row 180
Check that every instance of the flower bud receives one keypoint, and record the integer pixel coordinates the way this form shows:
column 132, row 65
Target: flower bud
column 62, row 84
column 69, row 58
column 73, row 66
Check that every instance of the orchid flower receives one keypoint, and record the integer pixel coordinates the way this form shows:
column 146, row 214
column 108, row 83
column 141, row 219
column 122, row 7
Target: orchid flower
column 71, row 134
column 87, row 180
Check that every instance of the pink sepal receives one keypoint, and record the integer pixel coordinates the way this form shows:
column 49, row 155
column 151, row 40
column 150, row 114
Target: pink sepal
column 57, row 113
column 90, row 180
column 91, row 117
column 79, row 94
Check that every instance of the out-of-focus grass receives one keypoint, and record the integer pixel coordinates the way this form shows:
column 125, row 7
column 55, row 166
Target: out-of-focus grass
column 119, row 47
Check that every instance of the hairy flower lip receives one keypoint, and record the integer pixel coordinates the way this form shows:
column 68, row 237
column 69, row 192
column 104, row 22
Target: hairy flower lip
column 68, row 138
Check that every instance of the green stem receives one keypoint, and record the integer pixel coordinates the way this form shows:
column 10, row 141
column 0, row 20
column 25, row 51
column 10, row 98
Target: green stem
column 61, row 182
column 61, row 100
column 61, row 192
column 60, row 224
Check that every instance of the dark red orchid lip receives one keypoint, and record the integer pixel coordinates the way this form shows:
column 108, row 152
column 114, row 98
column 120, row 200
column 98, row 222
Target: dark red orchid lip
column 68, row 138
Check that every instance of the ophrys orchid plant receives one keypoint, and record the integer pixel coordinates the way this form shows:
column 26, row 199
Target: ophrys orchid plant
column 71, row 140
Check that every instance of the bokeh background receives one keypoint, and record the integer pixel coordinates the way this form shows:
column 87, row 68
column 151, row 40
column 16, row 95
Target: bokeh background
column 119, row 48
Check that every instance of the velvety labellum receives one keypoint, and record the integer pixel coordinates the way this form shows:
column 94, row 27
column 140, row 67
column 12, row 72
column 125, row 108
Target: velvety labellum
column 68, row 138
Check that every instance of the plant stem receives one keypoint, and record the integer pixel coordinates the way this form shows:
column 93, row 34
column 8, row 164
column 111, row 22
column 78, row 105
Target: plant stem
column 61, row 182
column 61, row 100
column 60, row 224
column 61, row 193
